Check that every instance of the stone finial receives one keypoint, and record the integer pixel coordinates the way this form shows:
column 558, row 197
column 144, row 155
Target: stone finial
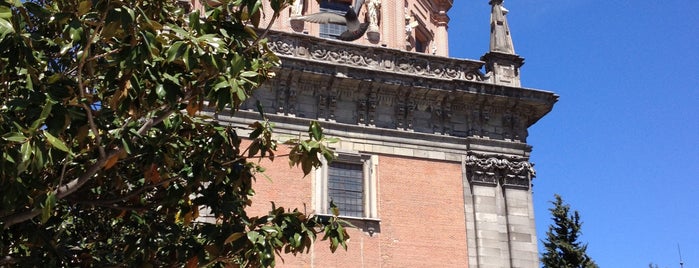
column 501, row 63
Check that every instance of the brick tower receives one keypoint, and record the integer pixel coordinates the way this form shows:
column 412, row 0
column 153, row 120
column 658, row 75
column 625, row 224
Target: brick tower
column 433, row 165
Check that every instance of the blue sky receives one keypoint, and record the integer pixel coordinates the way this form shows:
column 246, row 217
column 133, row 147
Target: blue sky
column 622, row 144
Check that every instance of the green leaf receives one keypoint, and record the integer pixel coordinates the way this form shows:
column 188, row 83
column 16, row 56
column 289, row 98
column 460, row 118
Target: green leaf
column 233, row 237
column 174, row 51
column 5, row 12
column 44, row 114
column 316, row 131
column 75, row 33
column 260, row 110
column 160, row 90
column 5, row 28
column 26, row 151
column 84, row 7
column 296, row 240
column 187, row 59
column 334, row 209
column 14, row 136
column 253, row 236
column 306, row 166
column 240, row 93
column 194, row 21
column 333, row 244
column 276, row 5
column 56, row 143
column 248, row 74
column 49, row 204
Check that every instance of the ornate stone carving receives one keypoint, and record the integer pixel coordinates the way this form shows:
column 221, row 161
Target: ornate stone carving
column 282, row 47
column 401, row 110
column 322, row 79
column 508, row 171
column 322, row 106
column 371, row 103
column 282, row 91
column 333, row 94
column 358, row 56
column 410, row 113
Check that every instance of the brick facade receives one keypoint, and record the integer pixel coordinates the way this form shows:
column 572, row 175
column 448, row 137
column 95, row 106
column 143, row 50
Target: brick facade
column 449, row 176
column 420, row 210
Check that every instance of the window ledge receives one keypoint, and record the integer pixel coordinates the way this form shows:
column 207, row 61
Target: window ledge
column 367, row 225
column 351, row 218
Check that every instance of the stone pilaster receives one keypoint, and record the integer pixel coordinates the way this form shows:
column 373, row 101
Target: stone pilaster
column 498, row 187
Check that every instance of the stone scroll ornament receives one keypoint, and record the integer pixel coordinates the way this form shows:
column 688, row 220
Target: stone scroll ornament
column 508, row 171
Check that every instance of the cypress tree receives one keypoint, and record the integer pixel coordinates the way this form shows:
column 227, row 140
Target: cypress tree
column 562, row 248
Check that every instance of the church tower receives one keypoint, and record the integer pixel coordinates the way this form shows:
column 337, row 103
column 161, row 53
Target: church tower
column 433, row 162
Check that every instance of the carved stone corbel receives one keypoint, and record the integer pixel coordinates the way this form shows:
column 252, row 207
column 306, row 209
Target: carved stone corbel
column 447, row 110
column 322, row 106
column 372, row 101
column 364, row 90
column 437, row 117
column 507, row 171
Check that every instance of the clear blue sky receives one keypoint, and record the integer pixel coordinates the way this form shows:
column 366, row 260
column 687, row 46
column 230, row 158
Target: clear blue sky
column 622, row 144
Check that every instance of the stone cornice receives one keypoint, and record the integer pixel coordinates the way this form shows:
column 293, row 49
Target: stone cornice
column 382, row 68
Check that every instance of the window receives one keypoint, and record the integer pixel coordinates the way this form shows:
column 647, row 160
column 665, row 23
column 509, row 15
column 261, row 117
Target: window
column 350, row 182
column 329, row 30
column 346, row 188
column 422, row 39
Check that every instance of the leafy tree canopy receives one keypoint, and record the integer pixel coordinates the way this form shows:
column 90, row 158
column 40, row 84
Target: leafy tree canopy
column 107, row 158
column 562, row 248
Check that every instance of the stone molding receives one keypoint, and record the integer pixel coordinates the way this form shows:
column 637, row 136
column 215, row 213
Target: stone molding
column 492, row 169
column 378, row 140
column 423, row 107
column 296, row 46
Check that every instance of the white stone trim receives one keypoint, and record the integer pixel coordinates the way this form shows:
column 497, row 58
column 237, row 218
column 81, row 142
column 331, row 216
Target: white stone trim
column 370, row 165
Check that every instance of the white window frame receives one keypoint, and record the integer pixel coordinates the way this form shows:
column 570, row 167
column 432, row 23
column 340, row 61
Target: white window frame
column 369, row 163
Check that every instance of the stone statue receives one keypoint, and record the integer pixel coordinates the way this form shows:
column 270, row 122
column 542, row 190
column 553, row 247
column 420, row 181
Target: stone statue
column 374, row 9
column 297, row 8
column 355, row 29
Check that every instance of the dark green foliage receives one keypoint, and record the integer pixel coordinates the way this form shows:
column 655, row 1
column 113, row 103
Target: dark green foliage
column 107, row 158
column 563, row 250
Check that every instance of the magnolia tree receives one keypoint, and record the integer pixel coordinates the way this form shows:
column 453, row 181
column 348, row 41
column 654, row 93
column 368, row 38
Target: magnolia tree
column 107, row 158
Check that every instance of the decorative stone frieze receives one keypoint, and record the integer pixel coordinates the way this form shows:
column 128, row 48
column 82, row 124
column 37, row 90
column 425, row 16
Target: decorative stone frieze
column 508, row 171
column 341, row 53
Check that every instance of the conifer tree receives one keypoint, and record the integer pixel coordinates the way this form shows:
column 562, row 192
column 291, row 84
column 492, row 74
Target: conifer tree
column 563, row 250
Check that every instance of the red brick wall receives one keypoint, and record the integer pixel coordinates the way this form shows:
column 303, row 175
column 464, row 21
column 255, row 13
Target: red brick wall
column 288, row 188
column 422, row 213
column 420, row 204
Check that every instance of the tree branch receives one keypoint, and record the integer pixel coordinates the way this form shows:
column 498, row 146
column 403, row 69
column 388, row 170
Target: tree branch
column 111, row 202
column 81, row 85
column 69, row 188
